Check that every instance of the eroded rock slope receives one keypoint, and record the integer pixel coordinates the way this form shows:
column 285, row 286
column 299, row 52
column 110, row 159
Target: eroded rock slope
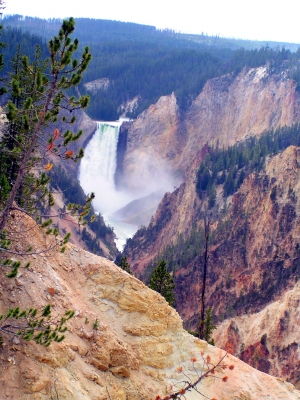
column 135, row 348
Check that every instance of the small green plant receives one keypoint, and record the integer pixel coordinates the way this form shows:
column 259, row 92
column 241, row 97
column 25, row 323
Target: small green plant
column 273, row 193
column 86, row 321
column 193, row 333
column 263, row 339
column 242, row 349
column 96, row 324
column 256, row 355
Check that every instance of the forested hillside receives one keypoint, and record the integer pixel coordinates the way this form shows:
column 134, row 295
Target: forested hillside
column 144, row 63
column 13, row 38
column 235, row 44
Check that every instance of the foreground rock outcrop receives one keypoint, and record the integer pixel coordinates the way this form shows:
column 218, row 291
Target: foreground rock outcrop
column 124, row 342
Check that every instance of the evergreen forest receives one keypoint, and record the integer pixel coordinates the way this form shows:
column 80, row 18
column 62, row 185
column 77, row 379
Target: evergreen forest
column 145, row 63
column 229, row 167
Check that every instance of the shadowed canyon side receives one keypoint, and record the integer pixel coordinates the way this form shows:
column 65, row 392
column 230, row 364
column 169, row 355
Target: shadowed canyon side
column 134, row 351
column 229, row 109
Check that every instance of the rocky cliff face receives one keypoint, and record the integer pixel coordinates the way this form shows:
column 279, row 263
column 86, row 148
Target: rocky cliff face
column 153, row 143
column 98, row 84
column 229, row 110
column 164, row 142
column 254, row 251
column 267, row 340
column 254, row 254
column 134, row 351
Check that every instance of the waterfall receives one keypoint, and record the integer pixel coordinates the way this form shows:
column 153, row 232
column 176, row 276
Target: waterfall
column 98, row 166
column 96, row 174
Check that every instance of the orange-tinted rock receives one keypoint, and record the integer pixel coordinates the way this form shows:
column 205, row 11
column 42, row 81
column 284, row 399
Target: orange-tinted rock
column 144, row 365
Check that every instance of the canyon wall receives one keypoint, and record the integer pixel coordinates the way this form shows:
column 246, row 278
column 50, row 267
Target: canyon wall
column 254, row 256
column 268, row 340
column 164, row 140
column 253, row 252
column 153, row 145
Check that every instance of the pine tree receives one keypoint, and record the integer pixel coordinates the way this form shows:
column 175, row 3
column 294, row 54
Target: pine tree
column 204, row 277
column 37, row 94
column 125, row 265
column 162, row 282
column 212, row 197
column 208, row 327
column 36, row 99
column 31, row 325
column 18, row 133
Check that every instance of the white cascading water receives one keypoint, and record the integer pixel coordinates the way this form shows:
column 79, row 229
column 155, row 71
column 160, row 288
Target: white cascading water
column 96, row 174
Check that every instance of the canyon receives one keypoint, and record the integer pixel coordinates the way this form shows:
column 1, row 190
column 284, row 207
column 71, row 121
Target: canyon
column 221, row 151
column 253, row 257
column 163, row 146
column 227, row 111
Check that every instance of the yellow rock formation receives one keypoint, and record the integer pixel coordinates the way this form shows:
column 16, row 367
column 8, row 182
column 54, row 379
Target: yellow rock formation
column 132, row 355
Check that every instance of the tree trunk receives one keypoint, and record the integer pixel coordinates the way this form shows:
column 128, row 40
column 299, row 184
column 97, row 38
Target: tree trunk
column 202, row 300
